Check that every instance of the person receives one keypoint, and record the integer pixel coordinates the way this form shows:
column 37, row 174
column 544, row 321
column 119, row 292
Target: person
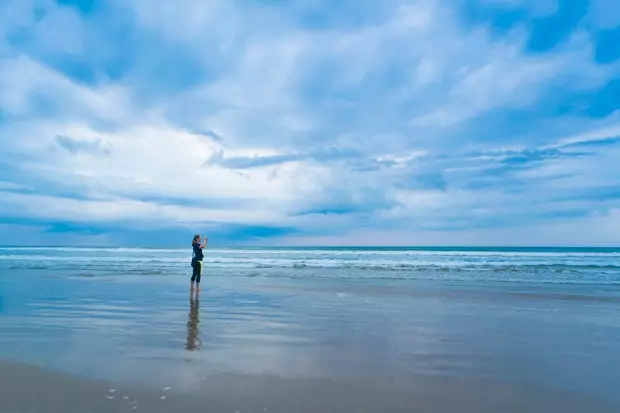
column 197, row 260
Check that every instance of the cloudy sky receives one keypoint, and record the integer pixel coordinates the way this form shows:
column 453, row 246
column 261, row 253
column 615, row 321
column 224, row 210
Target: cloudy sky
column 454, row 122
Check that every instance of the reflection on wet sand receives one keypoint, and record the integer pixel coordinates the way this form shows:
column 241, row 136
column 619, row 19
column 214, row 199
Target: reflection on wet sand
column 193, row 341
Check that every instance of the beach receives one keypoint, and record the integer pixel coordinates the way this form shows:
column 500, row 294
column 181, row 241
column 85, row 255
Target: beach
column 29, row 389
column 310, row 330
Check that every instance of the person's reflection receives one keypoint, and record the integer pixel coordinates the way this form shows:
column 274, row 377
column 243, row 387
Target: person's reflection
column 193, row 340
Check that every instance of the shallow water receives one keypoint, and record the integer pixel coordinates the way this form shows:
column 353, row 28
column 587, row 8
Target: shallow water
column 600, row 266
column 120, row 315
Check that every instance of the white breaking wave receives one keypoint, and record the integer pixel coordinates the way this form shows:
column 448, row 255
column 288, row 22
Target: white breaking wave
column 594, row 267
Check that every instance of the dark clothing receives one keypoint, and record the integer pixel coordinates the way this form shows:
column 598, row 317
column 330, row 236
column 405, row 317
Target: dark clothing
column 196, row 270
column 197, row 251
column 196, row 262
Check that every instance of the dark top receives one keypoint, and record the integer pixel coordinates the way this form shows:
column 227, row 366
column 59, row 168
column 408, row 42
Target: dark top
column 197, row 251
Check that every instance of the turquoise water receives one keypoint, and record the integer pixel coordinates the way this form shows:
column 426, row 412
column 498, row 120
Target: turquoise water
column 545, row 317
column 597, row 266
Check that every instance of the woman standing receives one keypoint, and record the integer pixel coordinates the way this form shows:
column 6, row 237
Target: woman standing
column 197, row 260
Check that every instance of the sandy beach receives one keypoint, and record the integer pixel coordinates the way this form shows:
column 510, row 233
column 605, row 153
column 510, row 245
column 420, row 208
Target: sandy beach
column 341, row 343
column 25, row 388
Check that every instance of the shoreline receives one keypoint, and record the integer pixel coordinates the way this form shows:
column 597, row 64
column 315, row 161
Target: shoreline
column 29, row 388
column 347, row 338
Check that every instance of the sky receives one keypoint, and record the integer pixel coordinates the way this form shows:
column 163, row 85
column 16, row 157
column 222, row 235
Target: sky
column 310, row 122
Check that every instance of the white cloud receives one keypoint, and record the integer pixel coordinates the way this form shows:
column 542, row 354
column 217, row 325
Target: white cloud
column 124, row 210
column 592, row 135
column 24, row 82
column 399, row 92
column 595, row 230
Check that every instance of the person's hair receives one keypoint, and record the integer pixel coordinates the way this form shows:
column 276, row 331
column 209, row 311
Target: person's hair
column 196, row 237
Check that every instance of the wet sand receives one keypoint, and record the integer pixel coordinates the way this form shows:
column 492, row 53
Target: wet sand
column 25, row 388
column 250, row 344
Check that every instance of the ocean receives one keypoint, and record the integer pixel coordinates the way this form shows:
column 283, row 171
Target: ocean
column 594, row 266
column 542, row 318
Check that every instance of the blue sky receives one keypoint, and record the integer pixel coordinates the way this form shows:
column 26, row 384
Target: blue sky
column 393, row 122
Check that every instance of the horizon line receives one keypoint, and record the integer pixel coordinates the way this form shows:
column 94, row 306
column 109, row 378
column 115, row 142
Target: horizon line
column 318, row 246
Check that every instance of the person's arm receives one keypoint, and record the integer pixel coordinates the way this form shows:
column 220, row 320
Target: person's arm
column 204, row 243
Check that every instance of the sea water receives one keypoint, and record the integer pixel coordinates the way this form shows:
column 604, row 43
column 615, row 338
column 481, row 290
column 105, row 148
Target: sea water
column 600, row 266
column 544, row 317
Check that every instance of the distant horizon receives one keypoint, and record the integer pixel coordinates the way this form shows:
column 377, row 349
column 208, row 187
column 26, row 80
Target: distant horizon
column 413, row 247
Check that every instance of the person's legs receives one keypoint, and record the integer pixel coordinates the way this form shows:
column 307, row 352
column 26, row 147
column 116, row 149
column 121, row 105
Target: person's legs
column 198, row 274
column 194, row 273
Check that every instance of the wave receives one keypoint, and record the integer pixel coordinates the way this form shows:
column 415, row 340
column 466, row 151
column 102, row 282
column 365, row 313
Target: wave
column 534, row 266
column 162, row 267
column 445, row 277
column 309, row 274
column 323, row 260
column 441, row 268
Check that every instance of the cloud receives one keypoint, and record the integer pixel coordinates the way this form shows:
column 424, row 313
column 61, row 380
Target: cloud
column 93, row 147
column 245, row 162
column 310, row 121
